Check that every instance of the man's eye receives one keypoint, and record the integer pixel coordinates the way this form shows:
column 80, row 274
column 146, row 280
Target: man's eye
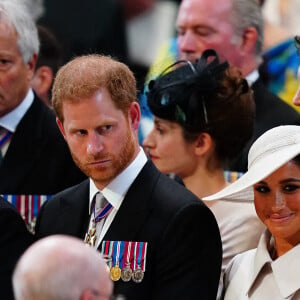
column 81, row 132
column 4, row 61
column 106, row 128
column 180, row 31
column 203, row 32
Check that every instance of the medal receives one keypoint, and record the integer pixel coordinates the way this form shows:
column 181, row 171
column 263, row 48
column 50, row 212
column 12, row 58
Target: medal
column 138, row 275
column 90, row 236
column 140, row 251
column 126, row 273
column 115, row 271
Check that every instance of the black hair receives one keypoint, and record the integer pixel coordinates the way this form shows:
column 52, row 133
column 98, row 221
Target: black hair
column 296, row 160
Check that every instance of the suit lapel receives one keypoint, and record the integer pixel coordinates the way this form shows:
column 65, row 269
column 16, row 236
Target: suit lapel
column 135, row 207
column 73, row 218
column 18, row 161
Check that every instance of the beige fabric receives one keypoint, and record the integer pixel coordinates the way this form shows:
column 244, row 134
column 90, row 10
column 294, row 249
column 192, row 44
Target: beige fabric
column 253, row 274
column 239, row 226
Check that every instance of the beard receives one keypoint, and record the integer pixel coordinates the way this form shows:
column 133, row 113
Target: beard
column 102, row 175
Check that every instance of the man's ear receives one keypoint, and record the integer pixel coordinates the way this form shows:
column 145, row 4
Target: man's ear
column 249, row 40
column 42, row 82
column 203, row 144
column 134, row 114
column 61, row 127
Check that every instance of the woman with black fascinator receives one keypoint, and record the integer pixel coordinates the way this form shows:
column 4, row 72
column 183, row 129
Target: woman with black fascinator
column 203, row 117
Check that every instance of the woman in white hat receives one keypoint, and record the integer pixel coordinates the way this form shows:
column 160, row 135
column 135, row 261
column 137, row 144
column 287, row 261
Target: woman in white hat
column 272, row 271
column 203, row 116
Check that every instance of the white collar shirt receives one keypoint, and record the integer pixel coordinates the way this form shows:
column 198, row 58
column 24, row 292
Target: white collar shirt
column 11, row 120
column 115, row 192
column 252, row 77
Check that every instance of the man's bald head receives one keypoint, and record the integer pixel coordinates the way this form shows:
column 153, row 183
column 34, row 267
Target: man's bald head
column 61, row 267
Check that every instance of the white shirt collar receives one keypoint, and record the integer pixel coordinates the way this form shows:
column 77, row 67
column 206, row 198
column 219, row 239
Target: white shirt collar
column 252, row 77
column 115, row 191
column 11, row 120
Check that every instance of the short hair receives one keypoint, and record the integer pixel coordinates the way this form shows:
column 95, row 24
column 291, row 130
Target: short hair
column 35, row 7
column 18, row 15
column 248, row 13
column 50, row 50
column 84, row 75
column 207, row 97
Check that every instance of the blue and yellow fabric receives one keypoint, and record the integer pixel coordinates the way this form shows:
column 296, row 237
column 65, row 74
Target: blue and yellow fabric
column 281, row 65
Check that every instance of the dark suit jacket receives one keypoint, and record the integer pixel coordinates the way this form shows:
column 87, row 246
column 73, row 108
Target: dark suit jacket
column 14, row 239
column 184, row 247
column 270, row 112
column 38, row 160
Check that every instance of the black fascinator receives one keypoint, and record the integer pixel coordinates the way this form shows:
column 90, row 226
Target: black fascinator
column 174, row 95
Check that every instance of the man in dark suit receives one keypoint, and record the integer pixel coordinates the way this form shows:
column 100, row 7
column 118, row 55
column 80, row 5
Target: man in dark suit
column 14, row 239
column 34, row 158
column 160, row 240
column 234, row 28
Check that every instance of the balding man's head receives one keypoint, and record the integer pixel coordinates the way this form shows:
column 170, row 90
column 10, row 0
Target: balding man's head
column 61, row 267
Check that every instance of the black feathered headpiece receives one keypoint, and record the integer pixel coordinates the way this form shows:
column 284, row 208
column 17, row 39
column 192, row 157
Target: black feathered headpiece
column 172, row 95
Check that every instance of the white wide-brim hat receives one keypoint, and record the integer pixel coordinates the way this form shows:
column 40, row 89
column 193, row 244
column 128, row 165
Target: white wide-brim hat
column 269, row 152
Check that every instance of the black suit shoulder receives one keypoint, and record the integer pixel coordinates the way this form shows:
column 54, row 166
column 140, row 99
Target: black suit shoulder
column 271, row 111
column 182, row 235
column 38, row 160
column 14, row 239
column 65, row 206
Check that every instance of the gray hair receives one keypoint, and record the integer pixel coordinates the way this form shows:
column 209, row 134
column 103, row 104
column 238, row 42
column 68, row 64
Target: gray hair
column 35, row 7
column 18, row 15
column 247, row 13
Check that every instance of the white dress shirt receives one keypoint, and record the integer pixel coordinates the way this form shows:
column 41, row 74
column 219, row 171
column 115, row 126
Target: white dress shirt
column 115, row 193
column 11, row 120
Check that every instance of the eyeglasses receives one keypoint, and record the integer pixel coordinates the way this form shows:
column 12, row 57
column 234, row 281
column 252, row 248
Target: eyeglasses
column 297, row 43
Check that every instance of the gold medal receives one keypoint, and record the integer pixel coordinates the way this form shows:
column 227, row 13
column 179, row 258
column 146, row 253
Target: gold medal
column 115, row 273
column 126, row 273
